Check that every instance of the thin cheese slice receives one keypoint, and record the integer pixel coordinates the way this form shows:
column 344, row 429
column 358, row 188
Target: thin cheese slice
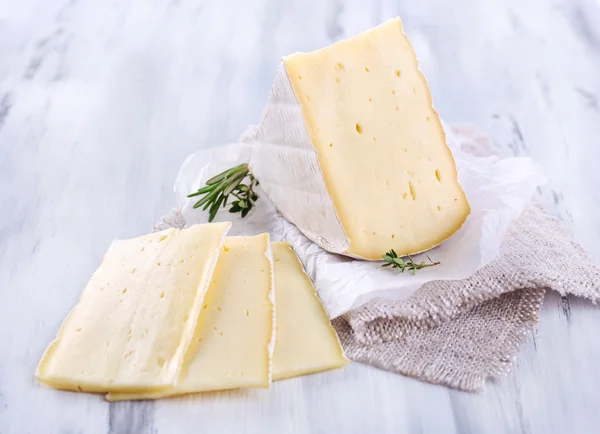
column 234, row 339
column 306, row 342
column 366, row 169
column 136, row 317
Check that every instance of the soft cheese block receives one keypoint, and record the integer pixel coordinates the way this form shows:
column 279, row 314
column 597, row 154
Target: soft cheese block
column 233, row 343
column 351, row 150
column 306, row 342
column 136, row 317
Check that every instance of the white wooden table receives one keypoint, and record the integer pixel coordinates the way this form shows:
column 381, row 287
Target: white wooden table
column 101, row 101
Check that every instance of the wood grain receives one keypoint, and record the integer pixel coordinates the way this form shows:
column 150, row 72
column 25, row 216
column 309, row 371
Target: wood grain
column 100, row 103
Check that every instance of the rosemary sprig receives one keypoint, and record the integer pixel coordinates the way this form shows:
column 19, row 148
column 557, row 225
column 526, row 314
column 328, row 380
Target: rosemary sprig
column 217, row 190
column 392, row 259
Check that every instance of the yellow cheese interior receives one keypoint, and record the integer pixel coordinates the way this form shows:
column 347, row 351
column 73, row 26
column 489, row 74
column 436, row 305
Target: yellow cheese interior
column 230, row 348
column 306, row 341
column 136, row 317
column 380, row 143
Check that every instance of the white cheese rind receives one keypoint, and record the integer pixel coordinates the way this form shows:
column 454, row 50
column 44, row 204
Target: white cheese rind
column 233, row 342
column 286, row 163
column 358, row 161
column 136, row 316
column 271, row 295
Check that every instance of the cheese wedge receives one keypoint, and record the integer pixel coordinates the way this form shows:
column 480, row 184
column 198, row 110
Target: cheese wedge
column 136, row 317
column 235, row 336
column 306, row 341
column 352, row 152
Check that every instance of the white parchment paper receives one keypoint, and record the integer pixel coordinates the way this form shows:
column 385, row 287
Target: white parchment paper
column 498, row 190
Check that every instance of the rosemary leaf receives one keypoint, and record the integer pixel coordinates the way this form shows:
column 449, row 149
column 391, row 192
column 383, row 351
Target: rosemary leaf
column 198, row 193
column 205, row 190
column 234, row 183
column 208, row 198
column 225, row 174
column 214, row 208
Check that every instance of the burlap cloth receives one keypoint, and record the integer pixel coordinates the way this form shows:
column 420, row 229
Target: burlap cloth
column 459, row 333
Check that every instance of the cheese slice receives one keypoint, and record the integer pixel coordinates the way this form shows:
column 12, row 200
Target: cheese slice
column 351, row 150
column 306, row 342
column 136, row 317
column 235, row 336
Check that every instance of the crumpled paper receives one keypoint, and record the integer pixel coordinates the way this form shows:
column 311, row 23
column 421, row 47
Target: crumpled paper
column 498, row 190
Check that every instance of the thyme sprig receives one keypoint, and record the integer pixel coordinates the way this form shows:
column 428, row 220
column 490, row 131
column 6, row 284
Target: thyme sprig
column 402, row 264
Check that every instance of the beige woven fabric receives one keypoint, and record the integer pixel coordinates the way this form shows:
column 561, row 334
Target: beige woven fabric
column 458, row 333
column 461, row 353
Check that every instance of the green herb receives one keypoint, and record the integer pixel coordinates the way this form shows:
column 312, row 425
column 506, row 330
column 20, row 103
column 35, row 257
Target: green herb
column 219, row 188
column 392, row 259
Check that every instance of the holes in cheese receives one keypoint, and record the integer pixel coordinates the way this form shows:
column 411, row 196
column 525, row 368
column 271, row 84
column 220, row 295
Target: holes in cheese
column 228, row 341
column 413, row 194
column 393, row 103
column 108, row 327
